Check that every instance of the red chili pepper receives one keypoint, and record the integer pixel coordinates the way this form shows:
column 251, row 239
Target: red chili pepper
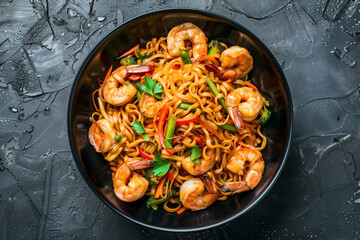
column 130, row 51
column 176, row 66
column 161, row 122
column 177, row 139
column 169, row 175
column 135, row 77
column 144, row 154
column 199, row 141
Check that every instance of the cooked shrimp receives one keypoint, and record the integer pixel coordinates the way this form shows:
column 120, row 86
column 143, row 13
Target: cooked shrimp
column 115, row 90
column 243, row 104
column 148, row 105
column 102, row 135
column 187, row 31
column 236, row 62
column 248, row 163
column 206, row 163
column 194, row 196
column 126, row 189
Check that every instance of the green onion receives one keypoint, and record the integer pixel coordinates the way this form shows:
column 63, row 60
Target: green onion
column 118, row 138
column 138, row 95
column 185, row 56
column 153, row 202
column 170, row 131
column 216, row 92
column 187, row 106
column 228, row 127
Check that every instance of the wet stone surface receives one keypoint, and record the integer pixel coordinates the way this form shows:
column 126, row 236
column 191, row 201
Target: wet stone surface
column 42, row 45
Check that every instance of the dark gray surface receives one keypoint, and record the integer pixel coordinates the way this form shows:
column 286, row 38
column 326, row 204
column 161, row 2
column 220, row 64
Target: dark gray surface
column 42, row 45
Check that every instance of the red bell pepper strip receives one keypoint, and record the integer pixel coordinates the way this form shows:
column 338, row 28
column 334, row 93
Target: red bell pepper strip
column 130, row 51
column 186, row 120
column 177, row 139
column 176, row 66
column 161, row 122
column 135, row 77
column 169, row 175
column 144, row 154
column 199, row 141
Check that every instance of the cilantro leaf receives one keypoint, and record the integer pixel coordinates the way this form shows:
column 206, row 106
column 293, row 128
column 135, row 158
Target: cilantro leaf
column 158, row 90
column 142, row 57
column 196, row 161
column 161, row 166
column 195, row 153
column 139, row 128
column 168, row 143
column 148, row 85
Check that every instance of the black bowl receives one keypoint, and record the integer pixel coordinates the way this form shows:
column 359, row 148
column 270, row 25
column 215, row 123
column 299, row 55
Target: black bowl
column 266, row 74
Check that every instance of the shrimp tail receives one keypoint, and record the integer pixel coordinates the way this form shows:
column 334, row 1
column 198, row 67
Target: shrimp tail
column 236, row 116
column 234, row 187
column 209, row 184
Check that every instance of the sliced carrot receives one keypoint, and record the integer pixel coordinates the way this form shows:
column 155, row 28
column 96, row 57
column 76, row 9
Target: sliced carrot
column 160, row 187
column 181, row 210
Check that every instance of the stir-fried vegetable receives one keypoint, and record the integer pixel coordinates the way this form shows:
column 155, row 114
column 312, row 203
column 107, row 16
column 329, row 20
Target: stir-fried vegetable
column 187, row 106
column 185, row 57
column 214, row 48
column 216, row 92
column 126, row 61
column 161, row 122
column 153, row 201
column 170, row 131
column 149, row 175
column 228, row 127
column 142, row 57
column 139, row 128
column 161, row 166
column 152, row 87
column 118, row 138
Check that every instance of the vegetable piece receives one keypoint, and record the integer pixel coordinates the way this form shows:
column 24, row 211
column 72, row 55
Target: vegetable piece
column 195, row 154
column 114, row 169
column 127, row 61
column 142, row 57
column 144, row 154
column 170, row 131
column 265, row 115
column 130, row 51
column 118, row 138
column 177, row 139
column 216, row 92
column 160, row 187
column 215, row 47
column 161, row 122
column 153, row 202
column 149, row 175
column 140, row 69
column 134, row 77
column 186, row 120
column 228, row 127
column 149, row 74
column 187, row 106
column 185, row 57
column 176, row 66
column 199, row 141
column 158, row 90
column 139, row 128
column 170, row 176
column 161, row 166
column 181, row 210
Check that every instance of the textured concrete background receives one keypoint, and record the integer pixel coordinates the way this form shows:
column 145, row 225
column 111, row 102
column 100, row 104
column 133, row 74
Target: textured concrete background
column 42, row 45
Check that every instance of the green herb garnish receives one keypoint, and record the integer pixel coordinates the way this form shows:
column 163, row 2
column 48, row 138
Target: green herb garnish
column 152, row 87
column 139, row 128
column 142, row 57
column 160, row 166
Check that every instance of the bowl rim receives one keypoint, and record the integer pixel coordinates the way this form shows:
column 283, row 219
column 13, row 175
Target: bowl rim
column 185, row 11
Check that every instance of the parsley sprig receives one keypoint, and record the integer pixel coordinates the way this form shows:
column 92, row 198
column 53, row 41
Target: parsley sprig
column 142, row 57
column 195, row 152
column 139, row 128
column 152, row 87
column 161, row 166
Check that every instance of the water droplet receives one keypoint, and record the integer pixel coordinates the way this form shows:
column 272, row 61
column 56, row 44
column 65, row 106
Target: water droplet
column 13, row 109
column 101, row 19
column 2, row 168
column 71, row 13
column 47, row 111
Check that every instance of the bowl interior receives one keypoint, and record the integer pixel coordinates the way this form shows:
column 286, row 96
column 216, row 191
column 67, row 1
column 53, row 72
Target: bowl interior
column 266, row 75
